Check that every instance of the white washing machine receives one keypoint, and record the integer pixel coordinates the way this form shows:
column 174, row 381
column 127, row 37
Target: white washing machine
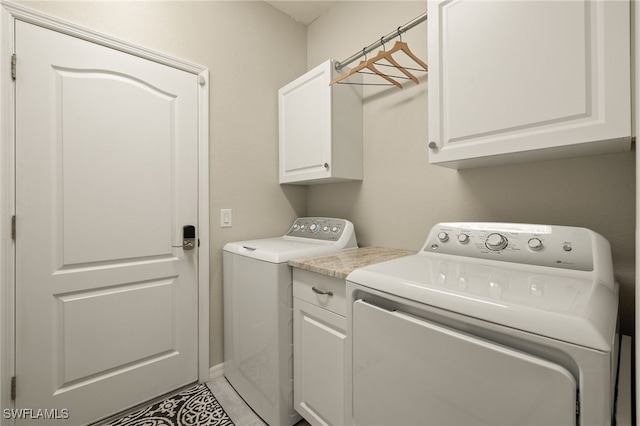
column 489, row 324
column 258, row 312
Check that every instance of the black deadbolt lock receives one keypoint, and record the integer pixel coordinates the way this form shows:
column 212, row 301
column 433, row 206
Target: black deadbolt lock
column 188, row 237
column 188, row 231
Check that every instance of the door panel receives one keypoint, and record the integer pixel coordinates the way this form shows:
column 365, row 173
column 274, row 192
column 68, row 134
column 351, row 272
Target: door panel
column 92, row 341
column 106, row 177
column 433, row 375
column 142, row 180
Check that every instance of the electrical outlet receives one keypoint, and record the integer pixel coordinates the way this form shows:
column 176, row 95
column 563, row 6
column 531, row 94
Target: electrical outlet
column 225, row 218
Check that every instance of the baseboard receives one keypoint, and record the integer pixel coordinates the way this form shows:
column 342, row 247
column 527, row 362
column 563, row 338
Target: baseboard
column 216, row 372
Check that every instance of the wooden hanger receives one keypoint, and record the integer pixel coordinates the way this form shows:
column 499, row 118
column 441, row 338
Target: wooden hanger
column 371, row 66
column 362, row 65
column 399, row 46
column 403, row 47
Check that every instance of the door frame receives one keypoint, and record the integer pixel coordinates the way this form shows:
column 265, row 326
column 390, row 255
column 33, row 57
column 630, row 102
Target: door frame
column 9, row 13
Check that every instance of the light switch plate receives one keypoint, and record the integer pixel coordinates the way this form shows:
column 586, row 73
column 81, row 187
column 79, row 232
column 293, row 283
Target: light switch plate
column 225, row 218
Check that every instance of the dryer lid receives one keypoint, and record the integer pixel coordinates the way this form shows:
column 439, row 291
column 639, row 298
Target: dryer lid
column 565, row 305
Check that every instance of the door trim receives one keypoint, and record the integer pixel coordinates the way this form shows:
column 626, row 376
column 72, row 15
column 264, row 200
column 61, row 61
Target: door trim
column 9, row 13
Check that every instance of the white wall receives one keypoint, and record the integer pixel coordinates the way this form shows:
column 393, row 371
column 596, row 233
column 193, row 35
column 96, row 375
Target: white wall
column 251, row 50
column 402, row 196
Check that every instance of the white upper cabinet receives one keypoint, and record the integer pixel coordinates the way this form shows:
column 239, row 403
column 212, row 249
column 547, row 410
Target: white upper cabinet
column 513, row 81
column 320, row 129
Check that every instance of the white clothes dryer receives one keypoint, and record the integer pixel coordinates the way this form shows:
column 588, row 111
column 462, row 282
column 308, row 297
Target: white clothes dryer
column 258, row 312
column 489, row 324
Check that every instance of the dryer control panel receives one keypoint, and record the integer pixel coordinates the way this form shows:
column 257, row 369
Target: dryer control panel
column 543, row 245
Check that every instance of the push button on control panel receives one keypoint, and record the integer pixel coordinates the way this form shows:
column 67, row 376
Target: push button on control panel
column 535, row 244
column 443, row 237
column 463, row 238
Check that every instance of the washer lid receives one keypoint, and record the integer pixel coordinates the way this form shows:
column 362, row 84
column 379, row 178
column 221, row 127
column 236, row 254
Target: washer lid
column 279, row 250
column 565, row 305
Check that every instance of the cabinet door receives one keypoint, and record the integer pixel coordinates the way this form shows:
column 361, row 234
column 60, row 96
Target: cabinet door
column 305, row 126
column 318, row 356
column 527, row 80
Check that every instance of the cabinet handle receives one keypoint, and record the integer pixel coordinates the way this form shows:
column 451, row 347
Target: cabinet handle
column 433, row 145
column 326, row 166
column 323, row 292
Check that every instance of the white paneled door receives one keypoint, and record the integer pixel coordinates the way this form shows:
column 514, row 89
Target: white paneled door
column 106, row 178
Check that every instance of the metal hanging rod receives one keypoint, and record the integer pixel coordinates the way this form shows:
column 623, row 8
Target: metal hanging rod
column 402, row 29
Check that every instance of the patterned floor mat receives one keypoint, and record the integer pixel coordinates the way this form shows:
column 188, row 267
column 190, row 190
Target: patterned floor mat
column 195, row 406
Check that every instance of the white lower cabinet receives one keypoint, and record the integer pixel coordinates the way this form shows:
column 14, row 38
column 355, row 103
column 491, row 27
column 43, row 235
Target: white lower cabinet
column 319, row 327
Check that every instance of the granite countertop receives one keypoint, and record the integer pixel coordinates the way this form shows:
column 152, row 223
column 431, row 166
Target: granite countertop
column 340, row 264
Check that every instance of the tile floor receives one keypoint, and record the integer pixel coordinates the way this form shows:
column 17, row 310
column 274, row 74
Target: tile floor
column 236, row 408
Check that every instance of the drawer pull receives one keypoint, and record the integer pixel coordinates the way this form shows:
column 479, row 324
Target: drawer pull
column 317, row 290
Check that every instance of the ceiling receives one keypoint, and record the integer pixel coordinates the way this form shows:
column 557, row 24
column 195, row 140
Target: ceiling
column 303, row 11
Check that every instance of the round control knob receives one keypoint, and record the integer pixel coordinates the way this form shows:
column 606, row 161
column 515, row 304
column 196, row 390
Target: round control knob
column 535, row 244
column 496, row 242
column 463, row 238
column 443, row 236
column 314, row 228
column 335, row 229
column 325, row 229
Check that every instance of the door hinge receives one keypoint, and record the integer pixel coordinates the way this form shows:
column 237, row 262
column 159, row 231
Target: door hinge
column 13, row 66
column 13, row 388
column 13, row 227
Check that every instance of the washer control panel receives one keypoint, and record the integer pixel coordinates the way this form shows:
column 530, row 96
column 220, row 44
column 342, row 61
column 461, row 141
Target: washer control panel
column 543, row 245
column 318, row 228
